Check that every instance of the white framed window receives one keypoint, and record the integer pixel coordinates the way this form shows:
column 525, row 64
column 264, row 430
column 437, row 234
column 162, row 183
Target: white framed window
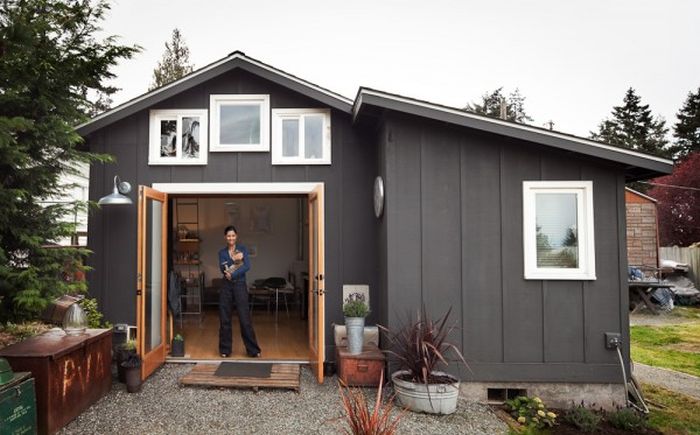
column 558, row 230
column 301, row 137
column 240, row 122
column 178, row 137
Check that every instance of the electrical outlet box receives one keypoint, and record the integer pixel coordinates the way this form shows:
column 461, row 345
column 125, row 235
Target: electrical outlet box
column 612, row 340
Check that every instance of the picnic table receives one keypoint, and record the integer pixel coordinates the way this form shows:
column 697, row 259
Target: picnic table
column 640, row 291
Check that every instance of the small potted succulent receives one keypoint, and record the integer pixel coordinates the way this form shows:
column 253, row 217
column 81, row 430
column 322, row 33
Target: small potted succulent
column 355, row 310
column 178, row 346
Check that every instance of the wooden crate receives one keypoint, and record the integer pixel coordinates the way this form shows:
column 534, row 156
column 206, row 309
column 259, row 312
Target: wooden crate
column 363, row 369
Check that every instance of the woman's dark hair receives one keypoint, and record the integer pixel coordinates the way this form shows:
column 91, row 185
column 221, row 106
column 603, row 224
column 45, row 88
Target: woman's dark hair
column 230, row 228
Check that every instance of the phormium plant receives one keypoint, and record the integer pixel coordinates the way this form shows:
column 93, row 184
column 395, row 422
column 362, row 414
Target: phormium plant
column 359, row 418
column 421, row 346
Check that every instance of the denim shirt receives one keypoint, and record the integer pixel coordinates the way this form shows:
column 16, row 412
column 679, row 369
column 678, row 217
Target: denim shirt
column 225, row 260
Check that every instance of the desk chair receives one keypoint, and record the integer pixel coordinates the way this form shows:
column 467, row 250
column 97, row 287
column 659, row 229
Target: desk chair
column 279, row 287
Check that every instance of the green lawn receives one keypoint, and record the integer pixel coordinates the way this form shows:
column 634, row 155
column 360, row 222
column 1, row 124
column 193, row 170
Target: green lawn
column 679, row 415
column 675, row 347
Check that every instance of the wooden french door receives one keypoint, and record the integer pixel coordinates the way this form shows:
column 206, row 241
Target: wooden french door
column 151, row 291
column 316, row 283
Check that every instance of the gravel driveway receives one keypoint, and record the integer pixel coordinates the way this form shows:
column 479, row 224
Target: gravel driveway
column 164, row 407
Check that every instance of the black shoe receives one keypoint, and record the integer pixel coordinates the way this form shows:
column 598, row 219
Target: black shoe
column 224, row 355
column 255, row 355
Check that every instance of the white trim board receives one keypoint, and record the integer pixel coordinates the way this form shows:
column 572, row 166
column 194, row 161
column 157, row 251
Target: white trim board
column 236, row 188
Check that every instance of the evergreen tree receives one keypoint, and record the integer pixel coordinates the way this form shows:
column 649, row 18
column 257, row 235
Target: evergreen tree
column 632, row 126
column 491, row 104
column 687, row 129
column 175, row 63
column 50, row 60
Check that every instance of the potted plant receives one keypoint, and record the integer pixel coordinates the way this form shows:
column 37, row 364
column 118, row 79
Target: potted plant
column 419, row 347
column 178, row 346
column 132, row 373
column 124, row 351
column 355, row 310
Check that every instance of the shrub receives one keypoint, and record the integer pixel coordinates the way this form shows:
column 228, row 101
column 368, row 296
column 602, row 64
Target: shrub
column 355, row 306
column 585, row 419
column 93, row 314
column 531, row 412
column 627, row 419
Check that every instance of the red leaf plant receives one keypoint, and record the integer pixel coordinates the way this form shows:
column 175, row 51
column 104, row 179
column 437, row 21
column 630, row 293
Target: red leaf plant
column 360, row 419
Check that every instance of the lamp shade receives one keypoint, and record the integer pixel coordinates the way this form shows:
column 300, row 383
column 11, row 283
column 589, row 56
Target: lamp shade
column 117, row 196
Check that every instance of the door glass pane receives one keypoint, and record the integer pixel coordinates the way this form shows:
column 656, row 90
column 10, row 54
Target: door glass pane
column 313, row 137
column 314, row 272
column 557, row 230
column 168, row 137
column 154, row 264
column 290, row 137
column 239, row 124
column 190, row 137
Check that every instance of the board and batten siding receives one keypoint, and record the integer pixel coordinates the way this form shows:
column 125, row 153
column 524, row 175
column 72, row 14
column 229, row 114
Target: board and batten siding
column 350, row 227
column 454, row 239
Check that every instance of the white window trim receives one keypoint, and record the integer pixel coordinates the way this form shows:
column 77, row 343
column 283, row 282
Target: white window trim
column 154, row 157
column 584, row 199
column 278, row 115
column 262, row 100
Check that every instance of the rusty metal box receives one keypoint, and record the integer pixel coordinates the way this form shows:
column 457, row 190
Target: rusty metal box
column 71, row 373
column 363, row 369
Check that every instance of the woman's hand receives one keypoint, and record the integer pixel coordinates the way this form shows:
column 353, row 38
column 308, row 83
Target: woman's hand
column 228, row 275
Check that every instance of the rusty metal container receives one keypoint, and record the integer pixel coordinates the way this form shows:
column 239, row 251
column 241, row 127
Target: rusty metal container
column 56, row 310
column 71, row 373
column 363, row 369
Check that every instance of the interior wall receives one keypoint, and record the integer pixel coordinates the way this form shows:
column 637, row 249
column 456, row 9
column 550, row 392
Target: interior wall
column 268, row 227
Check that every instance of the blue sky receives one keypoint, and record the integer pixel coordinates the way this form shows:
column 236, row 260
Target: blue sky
column 572, row 60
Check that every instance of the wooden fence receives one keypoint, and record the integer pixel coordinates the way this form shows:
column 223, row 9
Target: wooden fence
column 684, row 255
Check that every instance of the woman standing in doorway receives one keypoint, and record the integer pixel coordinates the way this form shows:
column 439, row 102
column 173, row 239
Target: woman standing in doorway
column 234, row 263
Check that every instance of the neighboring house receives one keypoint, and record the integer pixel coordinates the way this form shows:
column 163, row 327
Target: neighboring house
column 642, row 229
column 520, row 230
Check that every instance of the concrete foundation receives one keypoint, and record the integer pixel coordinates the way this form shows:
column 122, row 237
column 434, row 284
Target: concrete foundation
column 554, row 395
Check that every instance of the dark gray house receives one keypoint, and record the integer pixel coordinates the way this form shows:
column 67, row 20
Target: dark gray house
column 520, row 230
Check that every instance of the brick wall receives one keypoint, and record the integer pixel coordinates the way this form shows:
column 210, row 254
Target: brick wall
column 642, row 241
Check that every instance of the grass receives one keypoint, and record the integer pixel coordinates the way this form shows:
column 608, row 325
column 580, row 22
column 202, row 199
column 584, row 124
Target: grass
column 680, row 414
column 676, row 347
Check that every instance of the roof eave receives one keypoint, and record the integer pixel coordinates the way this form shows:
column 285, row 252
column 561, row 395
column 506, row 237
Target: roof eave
column 638, row 166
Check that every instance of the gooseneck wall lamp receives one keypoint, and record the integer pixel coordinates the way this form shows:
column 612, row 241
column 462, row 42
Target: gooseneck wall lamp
column 118, row 195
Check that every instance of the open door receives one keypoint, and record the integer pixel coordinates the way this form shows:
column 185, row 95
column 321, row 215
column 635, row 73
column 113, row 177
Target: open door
column 151, row 292
column 316, row 283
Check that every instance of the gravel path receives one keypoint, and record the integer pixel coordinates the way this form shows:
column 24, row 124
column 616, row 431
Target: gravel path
column 670, row 379
column 164, row 407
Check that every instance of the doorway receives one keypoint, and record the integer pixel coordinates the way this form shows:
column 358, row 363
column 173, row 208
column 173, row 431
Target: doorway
column 290, row 326
column 272, row 228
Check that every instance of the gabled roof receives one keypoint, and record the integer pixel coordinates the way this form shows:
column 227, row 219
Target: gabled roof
column 234, row 60
column 638, row 165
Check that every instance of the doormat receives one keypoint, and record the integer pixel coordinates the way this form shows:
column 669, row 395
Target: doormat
column 245, row 370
